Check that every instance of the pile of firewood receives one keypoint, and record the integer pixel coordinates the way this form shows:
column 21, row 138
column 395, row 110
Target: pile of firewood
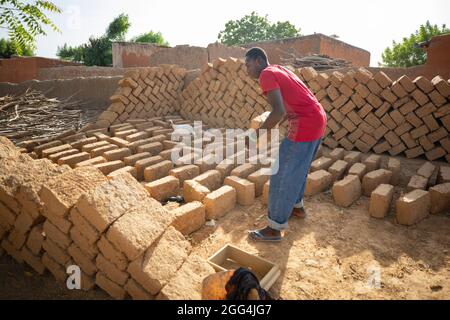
column 318, row 62
column 32, row 115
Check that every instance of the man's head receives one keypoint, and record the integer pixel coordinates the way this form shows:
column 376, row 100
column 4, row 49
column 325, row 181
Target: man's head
column 256, row 61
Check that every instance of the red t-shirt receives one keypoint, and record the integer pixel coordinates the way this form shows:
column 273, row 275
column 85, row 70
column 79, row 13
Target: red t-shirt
column 307, row 118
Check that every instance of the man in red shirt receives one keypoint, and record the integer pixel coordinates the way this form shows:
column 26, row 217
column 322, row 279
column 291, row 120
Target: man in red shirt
column 290, row 98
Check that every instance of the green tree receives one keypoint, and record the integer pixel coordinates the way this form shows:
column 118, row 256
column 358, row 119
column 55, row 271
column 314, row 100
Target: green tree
column 151, row 37
column 24, row 21
column 252, row 28
column 407, row 53
column 7, row 49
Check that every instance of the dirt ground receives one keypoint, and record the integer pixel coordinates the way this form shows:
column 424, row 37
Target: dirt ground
column 333, row 254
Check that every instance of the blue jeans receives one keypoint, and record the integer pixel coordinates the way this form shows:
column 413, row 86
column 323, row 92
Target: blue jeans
column 287, row 187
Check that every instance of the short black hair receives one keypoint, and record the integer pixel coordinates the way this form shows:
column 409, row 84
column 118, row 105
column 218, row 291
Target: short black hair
column 255, row 53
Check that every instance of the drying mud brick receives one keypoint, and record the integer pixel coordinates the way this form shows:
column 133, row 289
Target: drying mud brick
column 211, row 179
column 413, row 207
column 380, row 201
column 35, row 239
column 136, row 291
column 259, row 178
column 220, row 202
column 109, row 201
column 85, row 245
column 161, row 261
column 318, row 182
column 323, row 163
column 393, row 165
column 47, row 152
column 33, row 261
column 187, row 283
column 82, row 260
column 164, row 188
column 74, row 159
column 62, row 192
column 91, row 162
column 144, row 163
column 53, row 250
column 56, row 235
column 184, row 173
column 101, row 150
column 244, row 170
column 89, row 147
column 347, row 191
column 373, row 179
column 39, row 149
column 194, row 191
column 372, row 162
column 90, row 234
column 128, row 169
column 417, row 182
column 157, row 171
column 110, row 270
column 117, row 154
column 56, row 156
column 131, row 160
column 265, row 197
column 113, row 289
column 337, row 154
column 107, row 167
column 353, row 157
column 444, row 175
column 440, row 198
column 55, row 268
column 426, row 170
column 135, row 231
column 245, row 190
column 112, row 254
column 153, row 148
column 338, row 169
column 189, row 217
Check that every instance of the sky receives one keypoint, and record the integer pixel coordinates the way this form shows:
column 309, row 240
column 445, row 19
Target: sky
column 371, row 25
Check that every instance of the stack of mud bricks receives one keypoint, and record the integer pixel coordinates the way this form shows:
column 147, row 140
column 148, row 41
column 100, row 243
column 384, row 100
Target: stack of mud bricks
column 145, row 93
column 371, row 112
column 224, row 96
column 123, row 240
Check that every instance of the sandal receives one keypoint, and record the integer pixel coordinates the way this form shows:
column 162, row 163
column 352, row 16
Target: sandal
column 299, row 213
column 258, row 236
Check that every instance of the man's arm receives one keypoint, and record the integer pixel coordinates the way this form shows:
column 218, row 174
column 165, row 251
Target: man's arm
column 278, row 112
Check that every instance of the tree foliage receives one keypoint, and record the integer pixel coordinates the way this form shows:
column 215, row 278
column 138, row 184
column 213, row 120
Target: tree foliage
column 253, row 28
column 8, row 49
column 98, row 51
column 24, row 21
column 407, row 53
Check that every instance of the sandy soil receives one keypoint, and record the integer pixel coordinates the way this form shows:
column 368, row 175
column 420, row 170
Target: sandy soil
column 333, row 254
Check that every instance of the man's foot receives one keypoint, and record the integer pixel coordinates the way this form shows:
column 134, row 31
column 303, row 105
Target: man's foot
column 266, row 235
column 299, row 213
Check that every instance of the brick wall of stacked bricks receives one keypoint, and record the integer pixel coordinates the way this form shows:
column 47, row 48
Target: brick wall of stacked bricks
column 367, row 112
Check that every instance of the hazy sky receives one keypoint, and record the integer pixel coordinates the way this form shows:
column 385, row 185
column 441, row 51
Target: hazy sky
column 371, row 25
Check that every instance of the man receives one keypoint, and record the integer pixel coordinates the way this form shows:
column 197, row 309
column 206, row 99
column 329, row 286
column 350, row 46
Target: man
column 289, row 97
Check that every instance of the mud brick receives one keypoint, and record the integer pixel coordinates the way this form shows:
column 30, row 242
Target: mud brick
column 348, row 107
column 23, row 223
column 101, row 136
column 407, row 84
column 121, row 143
column 338, row 116
column 435, row 154
column 419, row 132
column 338, row 169
column 56, row 156
column 382, row 79
column 163, row 188
column 259, row 178
column 374, row 101
column 330, row 142
column 266, row 190
column 358, row 100
column 169, row 145
column 332, row 93
column 380, row 131
column 57, row 254
column 363, row 75
column 112, row 254
column 108, row 167
column 437, row 99
column 397, row 117
column 440, row 198
column 374, row 87
column 426, row 170
column 345, row 90
column 47, row 152
column 373, row 179
column 317, row 182
column 339, row 102
column 323, row 163
column 220, row 202
column 89, row 250
column 245, row 190
column 74, row 137
column 414, row 120
column 136, row 291
column 72, row 160
column 417, row 182
column 144, row 163
column 420, row 97
column 127, row 169
column 423, row 84
column 111, row 271
column 323, row 80
column 54, row 267
column 414, row 152
column 62, row 224
column 364, row 111
column 446, row 122
column 91, row 162
column 101, row 150
column 348, row 125
column 425, row 143
column 167, row 154
column 382, row 110
column 347, row 191
column 401, row 102
column 443, row 175
column 113, row 289
column 380, row 201
column 394, row 165
column 408, row 108
column 59, row 237
column 373, row 120
column 153, row 148
column 352, row 157
column 382, row 147
column 413, row 207
column 427, row 109
column 397, row 149
column 388, row 122
column 36, row 239
column 372, row 162
column 90, row 234
column 403, row 128
column 185, row 173
column 244, row 170
column 101, row 209
column 442, row 86
column 136, row 136
column 337, row 154
column 355, row 135
column 369, row 140
column 39, row 149
column 157, row 171
column 362, row 146
column 80, row 143
column 346, row 144
column 189, row 217
column 131, row 160
column 17, row 239
column 117, row 154
column 33, row 261
column 340, row 134
column 389, row 96
column 398, row 89
column 437, row 135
